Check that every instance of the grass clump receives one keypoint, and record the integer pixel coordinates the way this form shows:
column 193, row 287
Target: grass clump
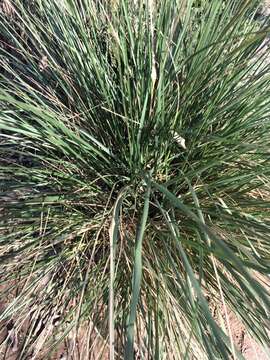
column 134, row 175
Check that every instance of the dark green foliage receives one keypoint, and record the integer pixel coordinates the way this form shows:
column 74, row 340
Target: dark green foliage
column 135, row 173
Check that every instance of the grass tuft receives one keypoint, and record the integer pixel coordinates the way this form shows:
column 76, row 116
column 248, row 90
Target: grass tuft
column 134, row 186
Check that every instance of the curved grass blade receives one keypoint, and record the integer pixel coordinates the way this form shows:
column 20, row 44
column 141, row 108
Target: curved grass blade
column 137, row 276
column 114, row 234
column 223, row 342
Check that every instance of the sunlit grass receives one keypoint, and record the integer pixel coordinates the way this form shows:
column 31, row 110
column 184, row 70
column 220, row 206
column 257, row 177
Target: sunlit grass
column 135, row 174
